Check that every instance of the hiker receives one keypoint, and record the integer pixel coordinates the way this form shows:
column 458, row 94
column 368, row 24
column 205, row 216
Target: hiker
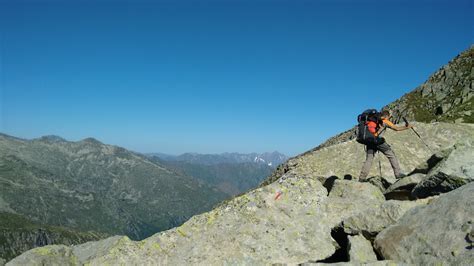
column 375, row 123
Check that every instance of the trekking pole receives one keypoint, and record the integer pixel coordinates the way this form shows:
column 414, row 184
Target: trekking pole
column 380, row 167
column 407, row 124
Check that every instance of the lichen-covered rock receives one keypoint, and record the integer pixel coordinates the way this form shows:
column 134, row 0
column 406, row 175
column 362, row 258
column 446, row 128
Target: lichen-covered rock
column 18, row 234
column 286, row 222
column 48, row 255
column 401, row 190
column 374, row 220
column 360, row 249
column 433, row 234
column 426, row 166
column 348, row 189
column 453, row 171
column 372, row 263
column 348, row 198
column 281, row 223
column 445, row 96
column 382, row 183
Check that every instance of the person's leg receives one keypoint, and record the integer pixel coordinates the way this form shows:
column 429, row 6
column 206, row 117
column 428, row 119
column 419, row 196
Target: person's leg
column 388, row 152
column 369, row 157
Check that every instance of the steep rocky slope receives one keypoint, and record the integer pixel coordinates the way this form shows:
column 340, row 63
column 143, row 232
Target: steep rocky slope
column 346, row 158
column 308, row 216
column 18, row 234
column 88, row 185
column 446, row 96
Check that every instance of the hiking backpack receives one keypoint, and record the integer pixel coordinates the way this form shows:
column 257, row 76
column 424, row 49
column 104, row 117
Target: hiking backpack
column 364, row 136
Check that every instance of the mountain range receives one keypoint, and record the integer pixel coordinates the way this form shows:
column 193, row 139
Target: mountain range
column 231, row 173
column 90, row 186
column 67, row 189
column 272, row 159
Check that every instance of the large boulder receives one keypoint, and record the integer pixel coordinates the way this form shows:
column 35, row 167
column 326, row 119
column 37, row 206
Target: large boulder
column 371, row 263
column 437, row 233
column 360, row 249
column 383, row 183
column 348, row 198
column 401, row 190
column 48, row 255
column 374, row 220
column 455, row 170
column 347, row 189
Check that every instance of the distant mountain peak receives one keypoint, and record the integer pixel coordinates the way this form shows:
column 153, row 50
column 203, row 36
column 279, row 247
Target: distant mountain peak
column 51, row 138
column 91, row 141
column 271, row 159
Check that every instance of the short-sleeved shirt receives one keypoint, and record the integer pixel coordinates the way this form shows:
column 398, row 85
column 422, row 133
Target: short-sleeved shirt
column 374, row 126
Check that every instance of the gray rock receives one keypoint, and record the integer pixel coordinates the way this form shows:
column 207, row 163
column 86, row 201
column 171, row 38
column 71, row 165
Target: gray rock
column 372, row 263
column 348, row 198
column 346, row 159
column 381, row 182
column 254, row 228
column 360, row 249
column 401, row 190
column 2, row 262
column 433, row 234
column 453, row 171
column 371, row 222
column 48, row 255
column 355, row 190
column 432, row 161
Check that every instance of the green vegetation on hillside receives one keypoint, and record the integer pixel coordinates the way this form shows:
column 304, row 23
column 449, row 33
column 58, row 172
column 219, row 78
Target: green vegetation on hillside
column 88, row 185
column 230, row 178
column 18, row 234
column 447, row 95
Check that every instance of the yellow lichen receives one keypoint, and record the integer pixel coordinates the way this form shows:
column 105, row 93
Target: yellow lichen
column 211, row 219
column 181, row 232
column 157, row 246
column 43, row 251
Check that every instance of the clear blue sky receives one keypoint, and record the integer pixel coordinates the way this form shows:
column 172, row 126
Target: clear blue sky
column 215, row 76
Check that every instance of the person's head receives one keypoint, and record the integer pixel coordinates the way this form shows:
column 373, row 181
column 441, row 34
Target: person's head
column 386, row 114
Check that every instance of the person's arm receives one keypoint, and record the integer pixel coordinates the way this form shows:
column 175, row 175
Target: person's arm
column 394, row 127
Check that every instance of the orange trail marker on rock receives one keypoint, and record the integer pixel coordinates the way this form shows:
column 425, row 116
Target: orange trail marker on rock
column 278, row 195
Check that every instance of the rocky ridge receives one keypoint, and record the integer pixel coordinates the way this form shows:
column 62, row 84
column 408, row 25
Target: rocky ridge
column 410, row 150
column 447, row 96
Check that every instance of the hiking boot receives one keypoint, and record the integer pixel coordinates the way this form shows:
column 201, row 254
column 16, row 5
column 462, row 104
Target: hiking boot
column 400, row 176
